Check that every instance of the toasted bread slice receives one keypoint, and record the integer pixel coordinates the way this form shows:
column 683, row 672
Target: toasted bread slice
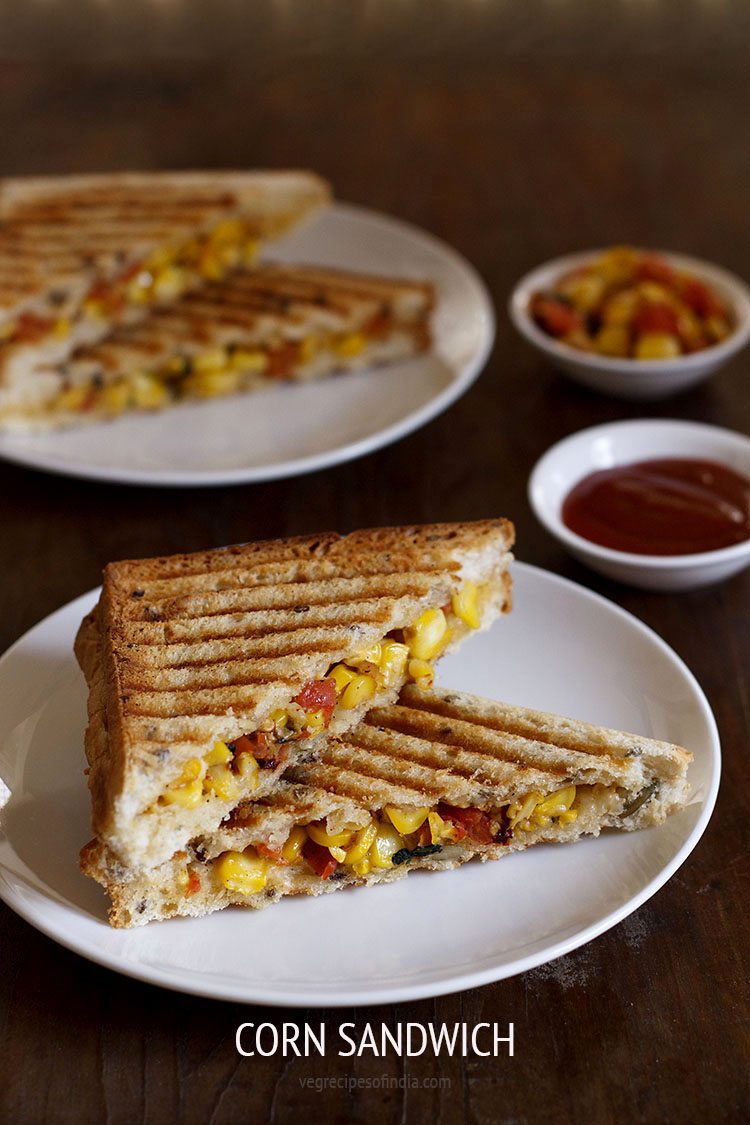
column 254, row 329
column 80, row 254
column 434, row 780
column 209, row 673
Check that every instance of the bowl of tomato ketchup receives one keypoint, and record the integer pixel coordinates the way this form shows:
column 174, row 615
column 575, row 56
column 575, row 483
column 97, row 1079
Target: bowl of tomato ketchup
column 664, row 505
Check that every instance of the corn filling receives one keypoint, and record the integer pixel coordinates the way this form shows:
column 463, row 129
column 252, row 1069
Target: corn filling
column 392, row 837
column 162, row 277
column 228, row 774
column 214, row 373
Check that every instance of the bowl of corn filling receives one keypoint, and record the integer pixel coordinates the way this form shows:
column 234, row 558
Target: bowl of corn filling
column 638, row 324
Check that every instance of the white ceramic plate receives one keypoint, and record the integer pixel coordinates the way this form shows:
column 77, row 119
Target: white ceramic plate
column 291, row 429
column 563, row 648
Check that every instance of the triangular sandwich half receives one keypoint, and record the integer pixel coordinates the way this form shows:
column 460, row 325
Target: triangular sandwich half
column 254, row 329
column 80, row 254
column 431, row 782
column 209, row 673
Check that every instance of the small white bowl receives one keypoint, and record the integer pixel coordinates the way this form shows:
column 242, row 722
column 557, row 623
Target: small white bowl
column 634, row 378
column 621, row 443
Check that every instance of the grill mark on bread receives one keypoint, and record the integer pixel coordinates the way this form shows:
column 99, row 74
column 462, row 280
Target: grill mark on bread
column 286, row 596
column 417, row 712
column 198, row 630
column 65, row 227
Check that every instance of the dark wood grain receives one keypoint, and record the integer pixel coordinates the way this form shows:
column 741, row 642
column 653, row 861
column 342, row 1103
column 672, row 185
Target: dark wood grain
column 516, row 132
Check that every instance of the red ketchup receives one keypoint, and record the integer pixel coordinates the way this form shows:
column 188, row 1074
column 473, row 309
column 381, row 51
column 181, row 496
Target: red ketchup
column 664, row 507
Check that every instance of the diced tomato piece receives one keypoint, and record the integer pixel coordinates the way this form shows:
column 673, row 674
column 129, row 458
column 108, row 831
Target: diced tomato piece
column 281, row 360
column 475, row 823
column 318, row 695
column 258, row 744
column 702, row 300
column 30, row 327
column 130, row 272
column 556, row 317
column 193, row 884
column 652, row 268
column 652, row 316
column 379, row 325
column 319, row 858
column 266, row 850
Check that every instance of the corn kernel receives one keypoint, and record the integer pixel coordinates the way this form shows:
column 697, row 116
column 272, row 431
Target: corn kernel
column 73, row 398
column 406, row 820
column 372, row 655
column 249, row 770
column 61, row 327
column 385, row 845
column 308, row 349
column 657, row 345
column 189, row 795
column 138, row 292
column 557, row 802
column 219, row 755
column 350, row 345
column 620, row 307
column 94, row 309
column 613, row 339
column 341, row 676
column 222, row 782
column 245, row 873
column 116, row 396
column 245, row 360
column 584, row 290
column 228, row 230
column 148, row 393
column 358, row 691
column 568, row 816
column 213, row 359
column 159, row 259
column 169, row 283
column 465, row 605
column 211, row 266
column 294, row 844
column 426, row 635
column 338, row 854
column 363, row 867
column 318, row 833
column 316, row 721
column 361, row 844
column 394, row 656
column 213, row 384
column 250, row 252
column 422, row 673
column 439, row 828
column 520, row 811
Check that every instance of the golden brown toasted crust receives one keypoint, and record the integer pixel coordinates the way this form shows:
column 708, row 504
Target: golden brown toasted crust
column 203, row 647
column 432, row 747
column 52, row 228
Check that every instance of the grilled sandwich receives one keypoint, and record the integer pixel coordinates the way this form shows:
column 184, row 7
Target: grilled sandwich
column 253, row 329
column 210, row 673
column 430, row 782
column 81, row 254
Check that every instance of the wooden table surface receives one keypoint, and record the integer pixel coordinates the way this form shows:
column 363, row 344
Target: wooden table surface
column 516, row 133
